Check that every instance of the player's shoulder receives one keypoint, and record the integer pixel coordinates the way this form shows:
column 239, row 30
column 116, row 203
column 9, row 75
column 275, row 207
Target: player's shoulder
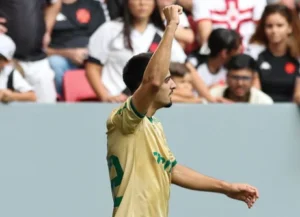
column 118, row 111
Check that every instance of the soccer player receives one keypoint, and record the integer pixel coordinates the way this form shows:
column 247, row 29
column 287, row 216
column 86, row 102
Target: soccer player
column 141, row 165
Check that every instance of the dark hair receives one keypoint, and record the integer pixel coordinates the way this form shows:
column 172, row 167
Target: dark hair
column 133, row 71
column 128, row 20
column 259, row 37
column 178, row 69
column 221, row 39
column 241, row 61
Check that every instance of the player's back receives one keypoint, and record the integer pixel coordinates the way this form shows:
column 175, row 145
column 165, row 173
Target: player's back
column 140, row 164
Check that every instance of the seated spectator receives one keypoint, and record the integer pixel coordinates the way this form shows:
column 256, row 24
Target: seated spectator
column 223, row 44
column 184, row 34
column 238, row 15
column 276, row 47
column 13, row 87
column 29, row 24
column 115, row 42
column 241, row 70
column 74, row 25
column 184, row 92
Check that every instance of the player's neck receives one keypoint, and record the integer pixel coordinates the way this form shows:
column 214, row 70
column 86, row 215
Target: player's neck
column 151, row 111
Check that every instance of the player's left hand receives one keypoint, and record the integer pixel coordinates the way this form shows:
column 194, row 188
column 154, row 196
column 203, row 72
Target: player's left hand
column 244, row 192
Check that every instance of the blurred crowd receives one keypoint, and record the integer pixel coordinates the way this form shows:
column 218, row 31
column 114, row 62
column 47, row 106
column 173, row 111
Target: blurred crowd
column 225, row 51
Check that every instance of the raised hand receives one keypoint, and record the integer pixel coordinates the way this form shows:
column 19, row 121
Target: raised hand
column 172, row 13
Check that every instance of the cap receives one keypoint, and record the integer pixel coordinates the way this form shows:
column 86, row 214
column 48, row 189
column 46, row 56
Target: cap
column 7, row 47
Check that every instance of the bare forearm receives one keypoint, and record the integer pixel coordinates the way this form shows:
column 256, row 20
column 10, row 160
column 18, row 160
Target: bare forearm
column 93, row 74
column 50, row 15
column 187, row 178
column 24, row 97
column 204, row 29
column 180, row 99
column 61, row 52
column 185, row 35
column 158, row 67
column 199, row 84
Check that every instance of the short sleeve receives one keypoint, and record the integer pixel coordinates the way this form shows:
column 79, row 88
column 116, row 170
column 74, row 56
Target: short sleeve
column 259, row 7
column 99, row 44
column 172, row 158
column 184, row 21
column 126, row 118
column 201, row 10
column 178, row 54
column 20, row 84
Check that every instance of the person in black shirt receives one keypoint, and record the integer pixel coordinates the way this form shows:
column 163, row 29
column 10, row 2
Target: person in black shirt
column 76, row 22
column 29, row 23
column 276, row 47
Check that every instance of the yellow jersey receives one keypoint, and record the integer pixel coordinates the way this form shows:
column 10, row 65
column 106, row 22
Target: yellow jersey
column 140, row 164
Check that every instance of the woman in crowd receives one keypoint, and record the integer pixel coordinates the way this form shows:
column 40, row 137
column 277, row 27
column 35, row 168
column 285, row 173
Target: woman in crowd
column 276, row 47
column 115, row 42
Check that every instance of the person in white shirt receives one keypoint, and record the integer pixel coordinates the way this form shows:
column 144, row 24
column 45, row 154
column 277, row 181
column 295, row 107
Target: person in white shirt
column 223, row 44
column 239, row 15
column 184, row 34
column 13, row 87
column 115, row 42
column 241, row 70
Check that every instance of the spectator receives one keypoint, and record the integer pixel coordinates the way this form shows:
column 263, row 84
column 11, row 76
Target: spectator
column 223, row 44
column 13, row 87
column 184, row 89
column 115, row 42
column 29, row 23
column 239, row 15
column 276, row 47
column 184, row 34
column 241, row 70
column 76, row 22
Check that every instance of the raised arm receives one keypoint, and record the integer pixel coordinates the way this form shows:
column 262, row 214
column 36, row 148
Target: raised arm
column 158, row 67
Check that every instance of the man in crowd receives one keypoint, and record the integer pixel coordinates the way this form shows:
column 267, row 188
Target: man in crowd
column 29, row 23
column 241, row 70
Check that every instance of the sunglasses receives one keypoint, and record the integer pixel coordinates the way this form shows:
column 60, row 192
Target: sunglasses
column 240, row 78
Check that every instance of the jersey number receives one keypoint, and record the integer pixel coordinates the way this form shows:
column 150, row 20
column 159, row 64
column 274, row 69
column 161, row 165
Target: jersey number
column 113, row 161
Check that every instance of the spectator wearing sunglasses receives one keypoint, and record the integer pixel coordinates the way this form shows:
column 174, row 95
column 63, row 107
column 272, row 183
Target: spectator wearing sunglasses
column 241, row 70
